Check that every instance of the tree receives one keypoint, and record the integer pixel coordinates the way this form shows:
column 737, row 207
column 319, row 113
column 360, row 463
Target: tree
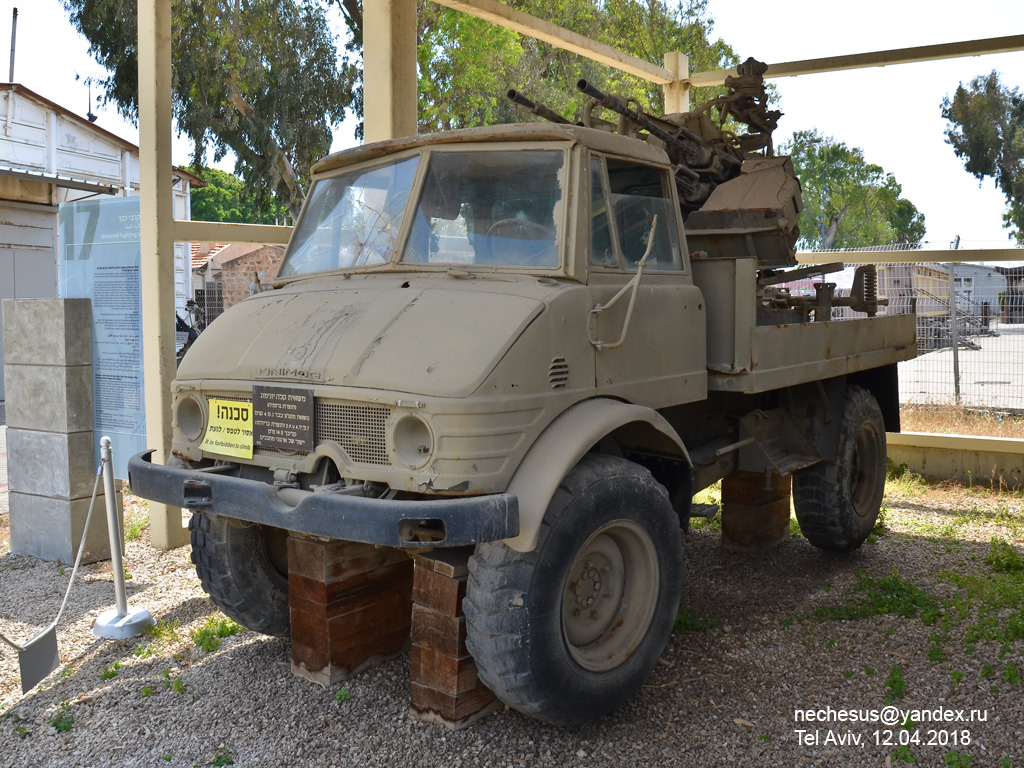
column 986, row 129
column 266, row 80
column 466, row 65
column 258, row 77
column 225, row 198
column 848, row 202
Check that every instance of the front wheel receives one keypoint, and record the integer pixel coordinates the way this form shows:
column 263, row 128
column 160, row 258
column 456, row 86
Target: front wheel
column 837, row 502
column 243, row 567
column 569, row 631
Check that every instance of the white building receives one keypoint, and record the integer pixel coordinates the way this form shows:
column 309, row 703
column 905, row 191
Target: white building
column 49, row 156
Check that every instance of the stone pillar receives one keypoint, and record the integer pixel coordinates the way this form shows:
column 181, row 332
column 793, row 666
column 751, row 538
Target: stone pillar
column 51, row 452
column 350, row 607
column 755, row 510
column 445, row 686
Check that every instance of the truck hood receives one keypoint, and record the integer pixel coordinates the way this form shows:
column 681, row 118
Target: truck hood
column 426, row 340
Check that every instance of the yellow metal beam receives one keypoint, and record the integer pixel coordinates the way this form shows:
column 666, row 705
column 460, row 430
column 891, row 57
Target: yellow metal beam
column 157, row 242
column 873, row 59
column 923, row 256
column 524, row 23
column 221, row 232
column 389, row 69
column 677, row 93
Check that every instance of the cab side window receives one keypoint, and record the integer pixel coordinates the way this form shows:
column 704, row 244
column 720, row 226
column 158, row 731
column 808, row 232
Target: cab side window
column 640, row 193
column 602, row 251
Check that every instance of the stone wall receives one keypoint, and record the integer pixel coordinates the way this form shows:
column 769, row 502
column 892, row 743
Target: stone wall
column 239, row 274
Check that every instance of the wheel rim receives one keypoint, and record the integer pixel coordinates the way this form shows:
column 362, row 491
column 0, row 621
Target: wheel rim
column 866, row 477
column 609, row 595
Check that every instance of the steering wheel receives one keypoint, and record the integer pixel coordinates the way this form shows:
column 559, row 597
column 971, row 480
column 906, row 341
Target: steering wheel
column 519, row 229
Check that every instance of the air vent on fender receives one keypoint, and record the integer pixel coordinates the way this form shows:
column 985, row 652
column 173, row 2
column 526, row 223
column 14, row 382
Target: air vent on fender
column 558, row 373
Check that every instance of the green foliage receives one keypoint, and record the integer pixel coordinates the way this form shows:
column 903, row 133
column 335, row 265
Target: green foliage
column 466, row 65
column 956, row 677
column 225, row 198
column 146, row 692
column 22, row 732
column 164, row 631
column 987, row 671
column 134, row 525
column 878, row 529
column 63, row 719
column 903, row 753
column 896, row 683
column 875, row 597
column 686, row 621
column 178, row 685
column 223, row 757
column 212, row 631
column 342, row 695
column 1011, row 674
column 262, row 79
column 958, row 760
column 869, row 671
column 848, row 202
column 986, row 129
column 109, row 673
column 266, row 80
column 1004, row 558
column 935, row 652
column 992, row 606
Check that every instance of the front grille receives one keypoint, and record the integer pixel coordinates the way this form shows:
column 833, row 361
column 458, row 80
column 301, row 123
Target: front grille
column 360, row 429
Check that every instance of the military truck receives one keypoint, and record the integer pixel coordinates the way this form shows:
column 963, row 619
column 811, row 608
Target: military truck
column 535, row 342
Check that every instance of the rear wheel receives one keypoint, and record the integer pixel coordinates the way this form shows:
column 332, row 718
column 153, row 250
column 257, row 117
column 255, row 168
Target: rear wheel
column 243, row 567
column 567, row 632
column 837, row 502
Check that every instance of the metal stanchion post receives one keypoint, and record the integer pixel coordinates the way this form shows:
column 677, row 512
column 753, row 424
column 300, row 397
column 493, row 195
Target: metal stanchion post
column 119, row 622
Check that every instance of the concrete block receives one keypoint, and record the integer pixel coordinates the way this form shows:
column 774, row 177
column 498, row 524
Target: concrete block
column 51, row 464
column 49, row 398
column 47, row 331
column 51, row 529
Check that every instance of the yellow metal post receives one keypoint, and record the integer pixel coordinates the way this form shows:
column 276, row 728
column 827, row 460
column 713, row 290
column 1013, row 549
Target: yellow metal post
column 157, row 236
column 677, row 93
column 389, row 69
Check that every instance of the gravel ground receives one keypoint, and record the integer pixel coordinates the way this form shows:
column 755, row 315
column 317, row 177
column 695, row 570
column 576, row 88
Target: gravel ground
column 723, row 694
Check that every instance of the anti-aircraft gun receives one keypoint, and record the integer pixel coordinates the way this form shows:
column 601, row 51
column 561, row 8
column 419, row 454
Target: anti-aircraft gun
column 738, row 198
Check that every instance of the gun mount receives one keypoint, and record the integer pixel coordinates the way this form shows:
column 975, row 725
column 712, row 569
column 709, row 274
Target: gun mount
column 736, row 197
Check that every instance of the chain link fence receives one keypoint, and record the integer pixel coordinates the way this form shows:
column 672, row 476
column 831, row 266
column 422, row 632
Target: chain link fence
column 969, row 372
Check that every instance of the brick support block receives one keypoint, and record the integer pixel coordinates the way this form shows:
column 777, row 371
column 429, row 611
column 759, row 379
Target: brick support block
column 755, row 511
column 350, row 607
column 445, row 687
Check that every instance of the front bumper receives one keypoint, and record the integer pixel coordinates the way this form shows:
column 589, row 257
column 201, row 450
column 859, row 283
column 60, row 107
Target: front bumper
column 461, row 521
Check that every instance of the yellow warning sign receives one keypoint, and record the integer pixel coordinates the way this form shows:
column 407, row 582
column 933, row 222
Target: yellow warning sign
column 229, row 432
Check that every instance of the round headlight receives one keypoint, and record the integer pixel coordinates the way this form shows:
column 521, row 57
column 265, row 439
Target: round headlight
column 189, row 417
column 413, row 441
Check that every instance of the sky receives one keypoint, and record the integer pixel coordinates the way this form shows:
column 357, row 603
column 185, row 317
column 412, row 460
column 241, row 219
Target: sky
column 891, row 113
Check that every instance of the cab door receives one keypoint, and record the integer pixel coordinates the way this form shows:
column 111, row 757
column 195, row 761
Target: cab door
column 661, row 358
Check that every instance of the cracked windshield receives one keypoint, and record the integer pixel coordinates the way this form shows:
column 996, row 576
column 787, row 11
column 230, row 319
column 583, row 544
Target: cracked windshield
column 352, row 220
column 489, row 209
column 475, row 209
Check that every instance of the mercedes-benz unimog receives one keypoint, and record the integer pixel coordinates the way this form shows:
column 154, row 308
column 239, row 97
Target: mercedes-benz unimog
column 537, row 342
